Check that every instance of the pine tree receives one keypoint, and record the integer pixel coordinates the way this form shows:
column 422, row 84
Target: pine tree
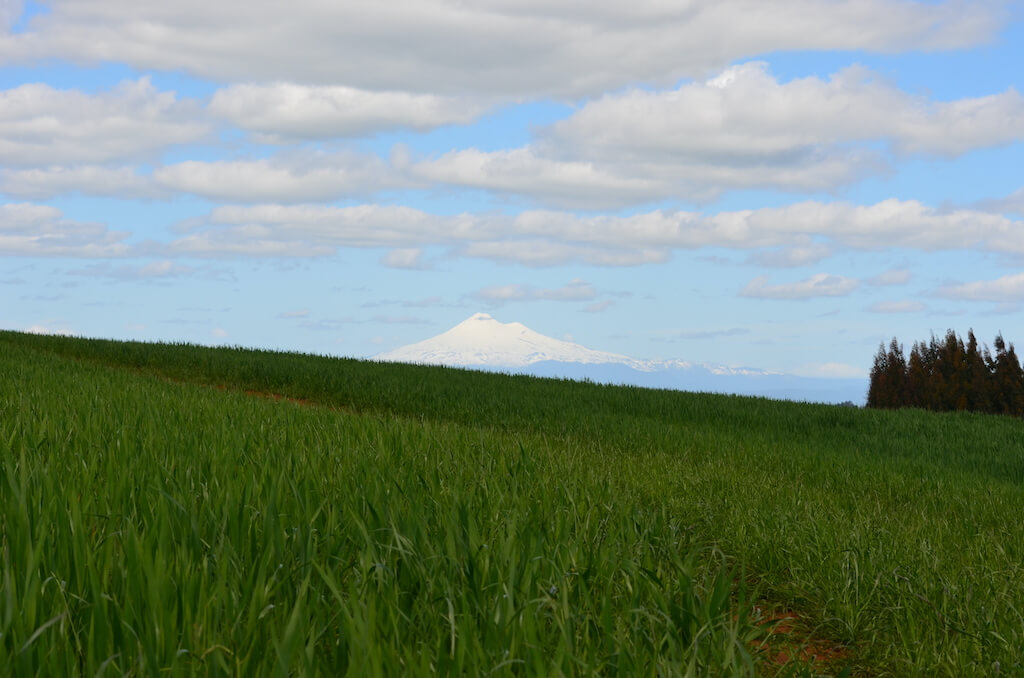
column 949, row 374
column 877, row 388
column 1002, row 390
column 1013, row 383
column 934, row 395
column 978, row 376
column 896, row 375
column 955, row 372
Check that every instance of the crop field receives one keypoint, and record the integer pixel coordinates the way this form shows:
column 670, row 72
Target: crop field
column 172, row 510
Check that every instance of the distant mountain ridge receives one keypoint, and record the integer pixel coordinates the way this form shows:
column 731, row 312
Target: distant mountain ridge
column 482, row 342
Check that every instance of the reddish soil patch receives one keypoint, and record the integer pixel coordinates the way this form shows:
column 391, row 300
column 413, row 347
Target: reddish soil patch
column 789, row 639
column 298, row 401
column 267, row 395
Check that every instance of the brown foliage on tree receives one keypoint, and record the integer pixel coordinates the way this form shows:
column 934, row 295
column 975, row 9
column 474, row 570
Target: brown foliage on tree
column 948, row 374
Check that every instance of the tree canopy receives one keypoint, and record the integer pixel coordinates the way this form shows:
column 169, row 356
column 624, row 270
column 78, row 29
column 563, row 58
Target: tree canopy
column 948, row 374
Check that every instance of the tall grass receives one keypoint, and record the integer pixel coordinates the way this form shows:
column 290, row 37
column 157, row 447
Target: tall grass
column 155, row 528
column 634, row 532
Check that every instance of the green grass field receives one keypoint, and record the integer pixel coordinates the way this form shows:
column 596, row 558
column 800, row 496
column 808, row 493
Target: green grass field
column 171, row 510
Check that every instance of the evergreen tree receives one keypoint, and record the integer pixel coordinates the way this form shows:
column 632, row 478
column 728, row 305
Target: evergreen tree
column 1002, row 397
column 1009, row 379
column 917, row 377
column 896, row 375
column 934, row 396
column 877, row 390
column 949, row 374
column 955, row 373
column 978, row 376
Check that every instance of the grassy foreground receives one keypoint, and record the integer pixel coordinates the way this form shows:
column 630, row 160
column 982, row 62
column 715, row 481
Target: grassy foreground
column 405, row 520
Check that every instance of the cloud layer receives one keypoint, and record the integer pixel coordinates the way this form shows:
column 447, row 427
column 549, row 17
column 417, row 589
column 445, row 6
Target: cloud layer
column 1009, row 288
column 576, row 290
column 721, row 149
column 741, row 129
column 818, row 285
column 541, row 238
column 41, row 125
column 511, row 49
column 300, row 176
column 535, row 238
column 39, row 230
column 283, row 112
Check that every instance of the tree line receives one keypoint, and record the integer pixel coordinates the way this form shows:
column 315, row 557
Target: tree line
column 949, row 374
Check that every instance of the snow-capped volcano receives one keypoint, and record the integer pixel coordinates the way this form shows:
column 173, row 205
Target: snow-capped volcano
column 481, row 340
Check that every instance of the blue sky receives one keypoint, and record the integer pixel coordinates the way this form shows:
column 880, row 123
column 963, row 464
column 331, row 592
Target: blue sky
column 776, row 185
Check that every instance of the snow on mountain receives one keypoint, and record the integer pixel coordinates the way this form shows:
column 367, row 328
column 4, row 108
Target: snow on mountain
column 481, row 342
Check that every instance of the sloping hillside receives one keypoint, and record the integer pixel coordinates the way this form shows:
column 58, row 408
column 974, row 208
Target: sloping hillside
column 162, row 514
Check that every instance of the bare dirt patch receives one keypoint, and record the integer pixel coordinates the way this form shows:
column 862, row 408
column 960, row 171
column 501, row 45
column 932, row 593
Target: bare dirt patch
column 790, row 641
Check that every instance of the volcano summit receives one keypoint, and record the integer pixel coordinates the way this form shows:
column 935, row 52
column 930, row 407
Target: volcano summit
column 482, row 342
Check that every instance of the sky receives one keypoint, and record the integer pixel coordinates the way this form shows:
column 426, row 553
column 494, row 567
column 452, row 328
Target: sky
column 778, row 185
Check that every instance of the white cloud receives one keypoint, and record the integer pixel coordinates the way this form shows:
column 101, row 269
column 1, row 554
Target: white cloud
column 219, row 332
column 546, row 238
column 583, row 183
column 818, row 285
column 1011, row 204
column 406, row 257
column 576, row 290
column 905, row 306
column 150, row 271
column 313, row 230
column 792, row 257
column 884, row 225
column 504, row 47
column 1009, row 288
column 42, row 231
column 747, row 113
column 41, row 126
column 161, row 269
column 246, row 242
column 44, row 183
column 895, row 276
column 742, row 129
column 544, row 252
column 282, row 111
column 10, row 12
column 887, row 224
column 290, row 177
column 523, row 172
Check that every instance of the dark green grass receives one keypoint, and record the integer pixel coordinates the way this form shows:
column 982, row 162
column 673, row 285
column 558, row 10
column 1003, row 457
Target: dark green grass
column 389, row 529
column 156, row 528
